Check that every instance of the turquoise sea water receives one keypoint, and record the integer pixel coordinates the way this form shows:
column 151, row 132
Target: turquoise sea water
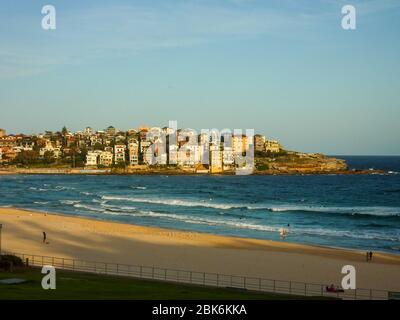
column 353, row 211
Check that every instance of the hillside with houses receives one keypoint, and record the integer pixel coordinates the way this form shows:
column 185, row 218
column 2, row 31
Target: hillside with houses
column 155, row 150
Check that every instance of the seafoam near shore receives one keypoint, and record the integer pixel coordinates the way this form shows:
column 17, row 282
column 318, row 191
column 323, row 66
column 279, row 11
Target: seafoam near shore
column 96, row 240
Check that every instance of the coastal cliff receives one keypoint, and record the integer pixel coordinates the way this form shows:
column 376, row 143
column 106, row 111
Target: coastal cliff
column 290, row 162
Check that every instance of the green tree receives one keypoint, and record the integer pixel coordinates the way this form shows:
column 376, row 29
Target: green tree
column 48, row 157
column 27, row 157
column 98, row 146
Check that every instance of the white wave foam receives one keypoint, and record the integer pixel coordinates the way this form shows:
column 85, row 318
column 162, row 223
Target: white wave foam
column 118, row 208
column 86, row 193
column 138, row 187
column 207, row 221
column 174, row 202
column 87, row 207
column 69, row 202
column 59, row 188
column 348, row 234
column 375, row 211
column 48, row 188
column 39, row 189
column 108, row 209
column 267, row 228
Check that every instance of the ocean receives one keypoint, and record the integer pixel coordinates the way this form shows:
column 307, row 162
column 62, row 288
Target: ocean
column 350, row 211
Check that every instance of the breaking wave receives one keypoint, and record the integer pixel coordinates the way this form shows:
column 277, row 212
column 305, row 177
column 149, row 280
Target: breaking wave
column 175, row 202
column 132, row 211
column 353, row 211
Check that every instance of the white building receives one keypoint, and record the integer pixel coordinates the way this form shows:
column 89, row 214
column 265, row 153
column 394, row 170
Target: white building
column 228, row 158
column 215, row 159
column 119, row 153
column 88, row 131
column 173, row 154
column 106, row 158
column 259, row 142
column 49, row 148
column 91, row 158
column 133, row 153
column 189, row 155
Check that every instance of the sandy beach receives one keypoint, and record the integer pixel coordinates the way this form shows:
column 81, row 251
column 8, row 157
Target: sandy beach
column 105, row 241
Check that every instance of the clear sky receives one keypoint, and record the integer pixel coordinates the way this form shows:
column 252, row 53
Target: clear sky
column 283, row 67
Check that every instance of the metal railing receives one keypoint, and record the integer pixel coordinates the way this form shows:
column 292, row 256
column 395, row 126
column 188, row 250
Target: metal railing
column 202, row 278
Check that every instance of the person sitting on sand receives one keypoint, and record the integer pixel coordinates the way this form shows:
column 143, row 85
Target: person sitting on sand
column 333, row 289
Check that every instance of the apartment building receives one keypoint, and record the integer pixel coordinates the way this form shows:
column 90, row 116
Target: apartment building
column 106, row 158
column 215, row 159
column 133, row 152
column 272, row 146
column 119, row 153
column 91, row 158
column 228, row 158
column 259, row 142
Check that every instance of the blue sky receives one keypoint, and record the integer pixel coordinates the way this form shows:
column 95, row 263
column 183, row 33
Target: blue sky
column 283, row 67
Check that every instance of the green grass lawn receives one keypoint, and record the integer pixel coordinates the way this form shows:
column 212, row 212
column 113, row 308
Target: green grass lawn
column 75, row 285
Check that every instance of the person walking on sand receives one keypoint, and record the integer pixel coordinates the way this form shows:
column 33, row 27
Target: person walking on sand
column 44, row 237
column 370, row 256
